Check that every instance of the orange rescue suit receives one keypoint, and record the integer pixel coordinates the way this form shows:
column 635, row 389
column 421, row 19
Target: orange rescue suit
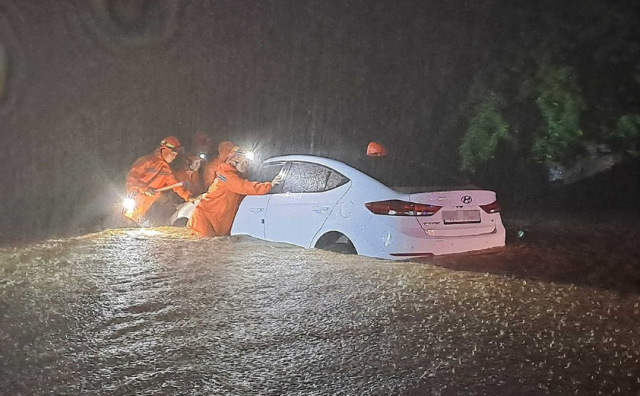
column 149, row 172
column 184, row 173
column 211, row 169
column 214, row 214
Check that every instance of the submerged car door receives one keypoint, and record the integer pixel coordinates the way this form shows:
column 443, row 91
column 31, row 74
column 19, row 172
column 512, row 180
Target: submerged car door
column 309, row 194
column 250, row 217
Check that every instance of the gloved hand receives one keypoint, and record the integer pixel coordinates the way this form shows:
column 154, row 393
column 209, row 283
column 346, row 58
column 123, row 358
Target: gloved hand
column 276, row 180
column 148, row 191
column 196, row 200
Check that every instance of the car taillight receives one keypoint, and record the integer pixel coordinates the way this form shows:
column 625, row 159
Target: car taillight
column 395, row 207
column 493, row 207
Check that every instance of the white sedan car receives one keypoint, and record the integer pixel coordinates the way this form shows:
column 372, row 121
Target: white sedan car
column 327, row 204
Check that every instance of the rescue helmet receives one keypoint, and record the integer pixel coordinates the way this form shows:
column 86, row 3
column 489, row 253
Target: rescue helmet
column 201, row 140
column 171, row 142
column 235, row 153
column 225, row 148
column 376, row 150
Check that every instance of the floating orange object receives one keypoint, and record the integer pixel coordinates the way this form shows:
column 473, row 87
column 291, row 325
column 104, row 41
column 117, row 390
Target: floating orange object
column 376, row 150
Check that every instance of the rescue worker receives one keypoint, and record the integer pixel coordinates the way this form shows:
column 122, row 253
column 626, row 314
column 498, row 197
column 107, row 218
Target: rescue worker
column 190, row 167
column 189, row 172
column 201, row 145
column 214, row 213
column 150, row 173
column 211, row 168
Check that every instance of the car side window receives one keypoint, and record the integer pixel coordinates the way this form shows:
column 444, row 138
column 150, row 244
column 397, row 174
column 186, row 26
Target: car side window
column 335, row 180
column 309, row 178
column 268, row 172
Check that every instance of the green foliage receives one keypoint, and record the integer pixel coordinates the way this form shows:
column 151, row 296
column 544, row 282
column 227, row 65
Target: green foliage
column 486, row 128
column 560, row 103
column 565, row 75
column 628, row 127
column 540, row 118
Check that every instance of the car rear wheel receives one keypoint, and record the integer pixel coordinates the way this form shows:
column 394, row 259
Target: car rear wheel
column 336, row 242
column 181, row 222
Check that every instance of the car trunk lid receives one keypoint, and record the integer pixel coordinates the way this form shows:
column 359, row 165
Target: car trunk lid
column 461, row 212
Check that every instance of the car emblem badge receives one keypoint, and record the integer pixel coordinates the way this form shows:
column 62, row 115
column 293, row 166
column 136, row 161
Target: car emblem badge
column 466, row 199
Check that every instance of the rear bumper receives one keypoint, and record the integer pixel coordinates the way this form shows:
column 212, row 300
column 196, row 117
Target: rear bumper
column 412, row 241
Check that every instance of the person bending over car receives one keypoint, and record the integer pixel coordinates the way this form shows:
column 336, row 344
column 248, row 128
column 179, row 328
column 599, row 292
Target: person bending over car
column 189, row 167
column 150, row 173
column 214, row 213
column 212, row 167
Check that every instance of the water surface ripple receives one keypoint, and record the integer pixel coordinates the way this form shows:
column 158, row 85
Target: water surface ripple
column 156, row 312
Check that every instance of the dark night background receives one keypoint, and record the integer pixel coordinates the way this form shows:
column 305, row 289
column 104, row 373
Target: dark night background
column 87, row 86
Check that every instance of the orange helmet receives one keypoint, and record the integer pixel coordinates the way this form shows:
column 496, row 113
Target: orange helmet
column 376, row 150
column 225, row 148
column 235, row 151
column 201, row 140
column 170, row 142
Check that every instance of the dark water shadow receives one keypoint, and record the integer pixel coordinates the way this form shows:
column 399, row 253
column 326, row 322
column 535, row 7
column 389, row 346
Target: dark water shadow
column 603, row 255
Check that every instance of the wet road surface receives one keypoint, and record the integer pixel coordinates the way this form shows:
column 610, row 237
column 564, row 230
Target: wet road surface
column 156, row 312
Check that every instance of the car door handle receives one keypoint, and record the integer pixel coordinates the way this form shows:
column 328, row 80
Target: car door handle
column 320, row 209
column 256, row 210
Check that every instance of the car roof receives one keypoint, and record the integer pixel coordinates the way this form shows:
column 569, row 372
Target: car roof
column 341, row 167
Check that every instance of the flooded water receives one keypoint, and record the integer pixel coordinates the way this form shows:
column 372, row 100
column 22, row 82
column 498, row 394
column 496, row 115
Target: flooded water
column 156, row 312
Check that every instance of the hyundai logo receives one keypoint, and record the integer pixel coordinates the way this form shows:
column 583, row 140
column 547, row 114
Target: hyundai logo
column 466, row 199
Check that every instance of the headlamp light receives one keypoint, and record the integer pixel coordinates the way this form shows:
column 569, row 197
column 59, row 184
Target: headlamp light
column 129, row 204
column 202, row 156
column 249, row 155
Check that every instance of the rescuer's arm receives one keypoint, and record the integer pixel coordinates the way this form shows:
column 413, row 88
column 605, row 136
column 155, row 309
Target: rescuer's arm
column 245, row 187
column 134, row 177
column 182, row 190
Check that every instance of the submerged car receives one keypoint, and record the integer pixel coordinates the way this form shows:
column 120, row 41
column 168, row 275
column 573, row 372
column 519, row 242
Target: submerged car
column 324, row 203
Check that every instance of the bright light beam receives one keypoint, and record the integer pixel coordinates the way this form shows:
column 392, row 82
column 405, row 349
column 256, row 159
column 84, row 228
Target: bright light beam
column 129, row 204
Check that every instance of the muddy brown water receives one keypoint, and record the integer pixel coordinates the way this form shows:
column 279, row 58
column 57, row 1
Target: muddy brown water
column 156, row 312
